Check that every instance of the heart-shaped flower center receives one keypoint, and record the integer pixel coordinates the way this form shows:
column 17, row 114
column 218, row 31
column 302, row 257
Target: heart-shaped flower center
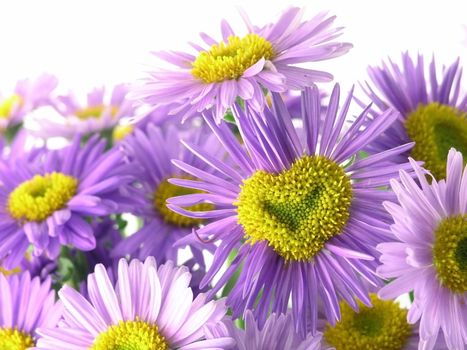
column 298, row 210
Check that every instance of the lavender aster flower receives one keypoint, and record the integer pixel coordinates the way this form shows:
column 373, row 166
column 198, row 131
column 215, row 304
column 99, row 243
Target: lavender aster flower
column 433, row 114
column 28, row 95
column 45, row 201
column 25, row 305
column 148, row 307
column 429, row 252
column 68, row 116
column 242, row 66
column 383, row 326
column 277, row 334
column 154, row 150
column 305, row 216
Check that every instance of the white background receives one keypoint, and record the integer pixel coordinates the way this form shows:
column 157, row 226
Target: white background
column 89, row 43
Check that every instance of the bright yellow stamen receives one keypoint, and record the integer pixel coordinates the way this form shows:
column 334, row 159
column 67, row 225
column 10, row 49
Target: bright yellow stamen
column 38, row 198
column 7, row 105
column 298, row 210
column 450, row 253
column 382, row 327
column 228, row 61
column 13, row 339
column 167, row 190
column 436, row 128
column 122, row 131
column 131, row 335
column 6, row 272
column 95, row 112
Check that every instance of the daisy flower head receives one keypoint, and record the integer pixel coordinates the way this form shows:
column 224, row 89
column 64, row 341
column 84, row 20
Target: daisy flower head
column 383, row 326
column 433, row 109
column 428, row 252
column 243, row 66
column 155, row 149
column 27, row 95
column 25, row 304
column 278, row 333
column 303, row 211
column 47, row 201
column 69, row 115
column 148, row 307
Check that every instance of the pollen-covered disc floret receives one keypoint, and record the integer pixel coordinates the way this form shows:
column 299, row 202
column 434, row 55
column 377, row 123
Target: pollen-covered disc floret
column 450, row 253
column 131, row 335
column 227, row 61
column 7, row 105
column 381, row 327
column 38, row 198
column 298, row 210
column 13, row 339
column 94, row 112
column 167, row 190
column 436, row 128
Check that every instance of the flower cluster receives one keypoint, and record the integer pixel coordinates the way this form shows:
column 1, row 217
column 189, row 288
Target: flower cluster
column 234, row 202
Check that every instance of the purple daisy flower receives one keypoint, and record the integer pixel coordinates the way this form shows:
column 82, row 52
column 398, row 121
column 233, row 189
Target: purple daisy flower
column 428, row 253
column 383, row 326
column 25, row 305
column 45, row 201
column 154, row 149
column 265, row 58
column 68, row 116
column 27, row 96
column 433, row 112
column 148, row 307
column 304, row 212
column 278, row 333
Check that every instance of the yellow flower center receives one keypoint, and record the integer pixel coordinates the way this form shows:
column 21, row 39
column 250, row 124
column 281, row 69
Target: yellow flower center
column 121, row 131
column 95, row 112
column 436, row 128
column 7, row 105
column 167, row 190
column 298, row 210
column 228, row 61
column 131, row 335
column 381, row 327
column 6, row 272
column 13, row 339
column 450, row 253
column 38, row 198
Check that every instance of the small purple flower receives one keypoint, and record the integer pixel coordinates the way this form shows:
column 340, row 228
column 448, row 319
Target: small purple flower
column 433, row 110
column 25, row 304
column 28, row 95
column 68, row 116
column 428, row 252
column 148, row 307
column 303, row 210
column 265, row 58
column 277, row 333
column 155, row 150
column 45, row 201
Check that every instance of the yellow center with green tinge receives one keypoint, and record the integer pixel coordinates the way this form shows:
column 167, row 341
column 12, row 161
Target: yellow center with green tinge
column 131, row 335
column 38, row 198
column 7, row 105
column 298, row 210
column 450, row 253
column 13, row 339
column 166, row 190
column 436, row 128
column 95, row 112
column 228, row 61
column 381, row 327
